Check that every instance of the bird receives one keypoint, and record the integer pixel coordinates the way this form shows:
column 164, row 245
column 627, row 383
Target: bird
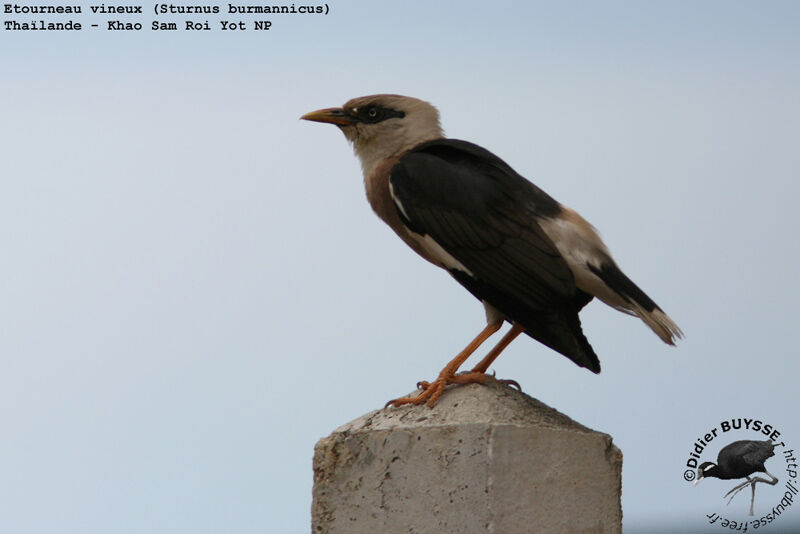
column 530, row 260
column 740, row 459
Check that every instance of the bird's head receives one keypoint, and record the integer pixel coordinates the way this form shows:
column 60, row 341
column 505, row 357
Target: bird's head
column 382, row 126
column 706, row 469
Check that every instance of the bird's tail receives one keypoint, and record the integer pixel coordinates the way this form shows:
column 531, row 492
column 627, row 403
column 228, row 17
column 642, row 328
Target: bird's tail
column 629, row 298
column 659, row 322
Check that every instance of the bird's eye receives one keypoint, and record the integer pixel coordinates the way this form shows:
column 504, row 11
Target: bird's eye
column 376, row 113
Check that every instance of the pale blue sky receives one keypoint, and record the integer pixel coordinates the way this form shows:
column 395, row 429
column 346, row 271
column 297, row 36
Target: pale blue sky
column 196, row 289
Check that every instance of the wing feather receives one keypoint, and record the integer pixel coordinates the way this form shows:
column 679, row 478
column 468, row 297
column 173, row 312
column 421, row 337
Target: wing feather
column 484, row 214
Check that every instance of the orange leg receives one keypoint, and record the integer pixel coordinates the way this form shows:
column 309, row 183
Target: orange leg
column 434, row 390
column 510, row 336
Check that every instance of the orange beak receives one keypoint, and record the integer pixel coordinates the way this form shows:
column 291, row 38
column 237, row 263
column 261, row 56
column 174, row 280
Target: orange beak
column 335, row 116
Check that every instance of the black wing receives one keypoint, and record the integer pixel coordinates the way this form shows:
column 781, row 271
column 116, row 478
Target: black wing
column 745, row 455
column 484, row 215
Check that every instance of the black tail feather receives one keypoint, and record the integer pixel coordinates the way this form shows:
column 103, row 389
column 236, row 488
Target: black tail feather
column 614, row 278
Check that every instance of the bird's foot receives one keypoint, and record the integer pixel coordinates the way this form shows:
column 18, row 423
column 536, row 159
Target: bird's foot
column 473, row 377
column 736, row 489
column 431, row 391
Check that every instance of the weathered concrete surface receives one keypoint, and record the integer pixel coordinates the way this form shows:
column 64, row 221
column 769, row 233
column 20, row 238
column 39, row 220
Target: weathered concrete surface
column 486, row 459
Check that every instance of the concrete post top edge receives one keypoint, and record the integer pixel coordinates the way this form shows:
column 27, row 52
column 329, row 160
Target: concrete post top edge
column 494, row 404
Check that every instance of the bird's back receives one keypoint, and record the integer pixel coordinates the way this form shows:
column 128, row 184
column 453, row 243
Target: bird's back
column 742, row 458
column 484, row 215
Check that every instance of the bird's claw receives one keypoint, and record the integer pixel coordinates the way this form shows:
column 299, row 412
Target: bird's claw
column 506, row 381
column 511, row 383
column 430, row 393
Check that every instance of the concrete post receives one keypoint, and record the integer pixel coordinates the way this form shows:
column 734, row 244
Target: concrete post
column 486, row 459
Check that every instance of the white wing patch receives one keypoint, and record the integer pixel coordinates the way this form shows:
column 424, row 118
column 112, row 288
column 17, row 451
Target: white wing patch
column 434, row 249
column 439, row 253
column 397, row 201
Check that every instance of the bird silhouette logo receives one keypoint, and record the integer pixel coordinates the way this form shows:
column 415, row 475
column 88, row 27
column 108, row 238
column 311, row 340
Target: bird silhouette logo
column 740, row 459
